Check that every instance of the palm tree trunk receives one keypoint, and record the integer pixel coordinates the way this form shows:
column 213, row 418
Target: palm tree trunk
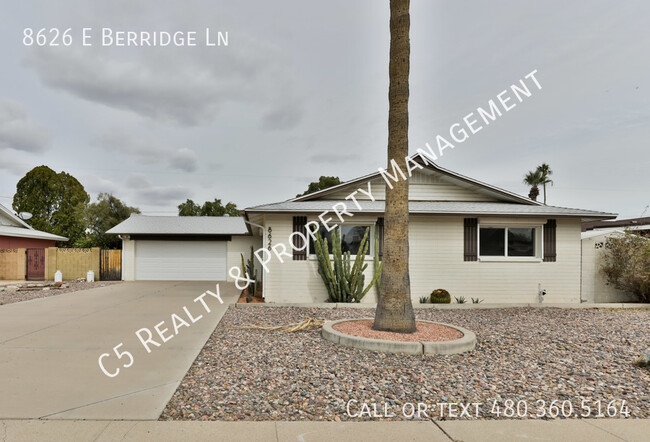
column 544, row 193
column 395, row 310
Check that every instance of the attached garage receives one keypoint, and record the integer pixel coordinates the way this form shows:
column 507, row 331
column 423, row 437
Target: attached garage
column 173, row 248
column 180, row 260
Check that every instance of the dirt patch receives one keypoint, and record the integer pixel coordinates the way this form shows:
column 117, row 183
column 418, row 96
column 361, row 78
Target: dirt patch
column 426, row 332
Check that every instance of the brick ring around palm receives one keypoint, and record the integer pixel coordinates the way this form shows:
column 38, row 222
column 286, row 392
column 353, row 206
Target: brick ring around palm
column 431, row 337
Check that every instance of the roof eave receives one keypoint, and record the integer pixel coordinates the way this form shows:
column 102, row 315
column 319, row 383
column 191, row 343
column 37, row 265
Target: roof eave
column 583, row 216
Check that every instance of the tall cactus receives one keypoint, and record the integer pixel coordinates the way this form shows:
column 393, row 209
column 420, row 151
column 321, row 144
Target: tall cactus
column 252, row 273
column 377, row 261
column 249, row 271
column 344, row 280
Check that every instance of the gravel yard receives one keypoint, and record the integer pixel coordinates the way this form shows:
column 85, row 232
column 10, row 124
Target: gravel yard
column 9, row 296
column 523, row 354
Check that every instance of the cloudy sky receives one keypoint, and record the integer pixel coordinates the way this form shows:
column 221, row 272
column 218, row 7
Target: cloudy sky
column 301, row 91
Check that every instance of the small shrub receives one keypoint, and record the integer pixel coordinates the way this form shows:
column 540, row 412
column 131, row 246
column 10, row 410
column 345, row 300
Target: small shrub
column 476, row 301
column 424, row 299
column 440, row 296
column 460, row 300
column 626, row 264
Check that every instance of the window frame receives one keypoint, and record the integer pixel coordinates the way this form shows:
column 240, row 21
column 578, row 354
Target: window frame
column 538, row 242
column 311, row 254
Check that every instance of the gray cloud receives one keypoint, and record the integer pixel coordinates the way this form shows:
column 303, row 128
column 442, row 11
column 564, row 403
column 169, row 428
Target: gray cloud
column 187, row 87
column 184, row 159
column 96, row 185
column 14, row 167
column 18, row 132
column 144, row 192
column 282, row 118
column 138, row 180
column 334, row 158
column 147, row 151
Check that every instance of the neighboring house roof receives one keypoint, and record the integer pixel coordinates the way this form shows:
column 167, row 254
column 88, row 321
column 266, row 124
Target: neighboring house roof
column 22, row 232
column 636, row 223
column 180, row 225
column 434, row 207
column 603, row 232
column 501, row 194
column 11, row 225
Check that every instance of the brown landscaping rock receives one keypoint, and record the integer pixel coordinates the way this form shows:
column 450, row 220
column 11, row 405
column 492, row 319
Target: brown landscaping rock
column 523, row 354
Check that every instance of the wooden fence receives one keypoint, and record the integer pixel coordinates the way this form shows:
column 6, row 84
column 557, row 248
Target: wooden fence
column 110, row 265
column 73, row 263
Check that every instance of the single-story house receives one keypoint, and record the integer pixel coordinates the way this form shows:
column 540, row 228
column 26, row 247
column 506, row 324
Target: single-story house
column 17, row 234
column 465, row 236
column 187, row 248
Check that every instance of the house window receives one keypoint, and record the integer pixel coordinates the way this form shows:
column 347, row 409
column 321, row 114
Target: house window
column 508, row 242
column 521, row 241
column 351, row 236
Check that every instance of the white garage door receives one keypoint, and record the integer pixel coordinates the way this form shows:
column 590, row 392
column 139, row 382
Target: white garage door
column 180, row 260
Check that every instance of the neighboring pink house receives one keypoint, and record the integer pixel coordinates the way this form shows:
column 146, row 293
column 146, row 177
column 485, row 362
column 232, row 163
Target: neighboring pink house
column 17, row 234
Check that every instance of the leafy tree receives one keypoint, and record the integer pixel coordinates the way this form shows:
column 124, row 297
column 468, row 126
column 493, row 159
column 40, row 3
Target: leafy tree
column 56, row 201
column 189, row 208
column 533, row 179
column 626, row 264
column 395, row 310
column 323, row 182
column 106, row 213
column 209, row 208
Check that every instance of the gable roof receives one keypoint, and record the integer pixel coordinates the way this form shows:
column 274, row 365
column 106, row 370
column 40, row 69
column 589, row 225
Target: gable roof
column 180, row 225
column 507, row 203
column 428, row 163
column 17, row 228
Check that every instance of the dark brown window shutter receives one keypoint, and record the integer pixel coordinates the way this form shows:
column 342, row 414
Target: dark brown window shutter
column 299, row 225
column 471, row 239
column 380, row 229
column 550, row 254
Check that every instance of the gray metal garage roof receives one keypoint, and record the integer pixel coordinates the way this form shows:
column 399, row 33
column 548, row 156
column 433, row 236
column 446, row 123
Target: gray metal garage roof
column 181, row 225
column 436, row 208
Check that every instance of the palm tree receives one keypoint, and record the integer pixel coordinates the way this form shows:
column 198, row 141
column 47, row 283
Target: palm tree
column 545, row 172
column 533, row 179
column 394, row 310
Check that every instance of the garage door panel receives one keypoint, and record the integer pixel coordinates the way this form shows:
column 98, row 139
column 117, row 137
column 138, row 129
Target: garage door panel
column 180, row 260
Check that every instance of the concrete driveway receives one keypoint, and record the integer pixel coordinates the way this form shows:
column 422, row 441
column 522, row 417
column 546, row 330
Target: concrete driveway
column 49, row 349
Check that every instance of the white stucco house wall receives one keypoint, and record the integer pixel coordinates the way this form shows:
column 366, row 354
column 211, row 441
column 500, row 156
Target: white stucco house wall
column 468, row 237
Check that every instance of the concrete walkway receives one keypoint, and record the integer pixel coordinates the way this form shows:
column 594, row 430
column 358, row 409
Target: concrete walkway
column 49, row 350
column 588, row 430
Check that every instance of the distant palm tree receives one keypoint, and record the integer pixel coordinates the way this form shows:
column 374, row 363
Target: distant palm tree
column 545, row 173
column 533, row 179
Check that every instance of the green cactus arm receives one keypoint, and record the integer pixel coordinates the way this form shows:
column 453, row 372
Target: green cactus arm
column 374, row 279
